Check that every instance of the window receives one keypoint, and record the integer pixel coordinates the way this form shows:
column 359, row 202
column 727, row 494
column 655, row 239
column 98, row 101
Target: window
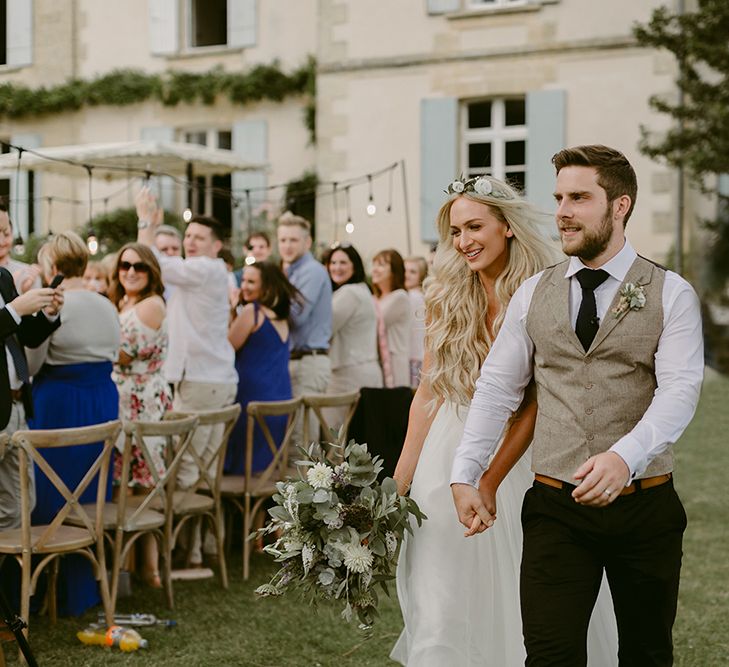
column 5, row 182
column 208, row 23
column 3, row 32
column 493, row 139
column 211, row 194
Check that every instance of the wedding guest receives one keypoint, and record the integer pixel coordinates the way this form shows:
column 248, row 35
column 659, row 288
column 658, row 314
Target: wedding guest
column 74, row 388
column 393, row 317
column 26, row 276
column 416, row 268
column 168, row 240
column 260, row 336
column 96, row 278
column 200, row 361
column 144, row 395
column 257, row 248
column 311, row 329
column 353, row 350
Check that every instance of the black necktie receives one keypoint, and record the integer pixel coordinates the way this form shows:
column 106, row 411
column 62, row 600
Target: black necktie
column 587, row 319
column 16, row 352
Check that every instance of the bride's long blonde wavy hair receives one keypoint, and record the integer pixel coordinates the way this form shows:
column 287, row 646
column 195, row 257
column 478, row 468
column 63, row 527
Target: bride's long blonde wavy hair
column 457, row 337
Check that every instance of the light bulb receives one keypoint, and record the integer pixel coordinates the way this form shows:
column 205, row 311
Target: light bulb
column 371, row 208
column 349, row 227
column 250, row 260
column 93, row 244
column 187, row 215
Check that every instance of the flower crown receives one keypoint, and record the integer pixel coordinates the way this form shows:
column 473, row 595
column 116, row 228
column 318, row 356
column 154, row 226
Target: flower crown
column 481, row 185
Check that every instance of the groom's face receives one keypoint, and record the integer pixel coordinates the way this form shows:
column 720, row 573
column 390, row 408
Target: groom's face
column 586, row 219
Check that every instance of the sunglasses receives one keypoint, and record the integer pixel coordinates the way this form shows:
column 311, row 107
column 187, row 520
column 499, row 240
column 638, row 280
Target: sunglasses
column 139, row 267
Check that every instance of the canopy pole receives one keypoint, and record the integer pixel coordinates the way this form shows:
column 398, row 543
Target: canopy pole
column 189, row 185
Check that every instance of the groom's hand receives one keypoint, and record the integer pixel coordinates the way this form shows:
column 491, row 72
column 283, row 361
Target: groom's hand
column 601, row 479
column 472, row 513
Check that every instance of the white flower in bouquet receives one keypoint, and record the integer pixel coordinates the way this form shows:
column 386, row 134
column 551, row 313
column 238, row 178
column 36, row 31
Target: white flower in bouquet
column 307, row 557
column 390, row 542
column 320, row 476
column 357, row 557
column 341, row 474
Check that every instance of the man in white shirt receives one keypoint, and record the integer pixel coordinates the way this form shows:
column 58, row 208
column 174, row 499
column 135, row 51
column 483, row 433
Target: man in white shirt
column 614, row 345
column 200, row 360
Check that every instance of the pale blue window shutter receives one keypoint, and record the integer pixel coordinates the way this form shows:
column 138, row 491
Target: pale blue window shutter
column 438, row 158
column 164, row 26
column 19, row 209
column 242, row 22
column 163, row 185
column 19, row 37
column 250, row 143
column 546, row 119
column 443, row 6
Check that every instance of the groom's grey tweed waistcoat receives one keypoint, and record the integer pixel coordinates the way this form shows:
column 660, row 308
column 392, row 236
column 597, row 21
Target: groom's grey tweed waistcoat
column 589, row 400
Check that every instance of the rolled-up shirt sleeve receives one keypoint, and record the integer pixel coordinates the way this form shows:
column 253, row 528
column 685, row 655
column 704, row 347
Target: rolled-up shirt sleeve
column 499, row 390
column 679, row 367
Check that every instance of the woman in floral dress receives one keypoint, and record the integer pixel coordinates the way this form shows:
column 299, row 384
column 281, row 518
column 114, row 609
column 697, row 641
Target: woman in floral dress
column 136, row 291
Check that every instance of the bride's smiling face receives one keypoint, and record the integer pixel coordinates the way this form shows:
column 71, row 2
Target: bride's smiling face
column 479, row 236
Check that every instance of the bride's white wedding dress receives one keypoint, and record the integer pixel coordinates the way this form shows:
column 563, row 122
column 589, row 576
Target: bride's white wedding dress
column 460, row 596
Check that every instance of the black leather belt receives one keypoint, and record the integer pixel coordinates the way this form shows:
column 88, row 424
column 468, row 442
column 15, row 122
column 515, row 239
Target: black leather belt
column 298, row 354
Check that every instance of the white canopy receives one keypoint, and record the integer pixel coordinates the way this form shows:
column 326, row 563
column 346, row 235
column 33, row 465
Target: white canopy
column 129, row 159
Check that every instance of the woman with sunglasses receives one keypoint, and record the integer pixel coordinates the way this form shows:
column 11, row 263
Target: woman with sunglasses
column 136, row 291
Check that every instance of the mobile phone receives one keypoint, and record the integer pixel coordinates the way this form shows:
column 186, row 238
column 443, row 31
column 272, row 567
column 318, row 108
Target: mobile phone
column 57, row 280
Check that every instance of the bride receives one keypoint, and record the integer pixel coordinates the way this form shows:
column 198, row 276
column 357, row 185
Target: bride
column 459, row 597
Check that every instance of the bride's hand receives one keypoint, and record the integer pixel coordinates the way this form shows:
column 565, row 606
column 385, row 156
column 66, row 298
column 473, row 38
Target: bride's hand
column 487, row 490
column 472, row 513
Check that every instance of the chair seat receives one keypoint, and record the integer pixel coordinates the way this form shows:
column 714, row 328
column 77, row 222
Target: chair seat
column 146, row 520
column 65, row 538
column 235, row 485
column 187, row 502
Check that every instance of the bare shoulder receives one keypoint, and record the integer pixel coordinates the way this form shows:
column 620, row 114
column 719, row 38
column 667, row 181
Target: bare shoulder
column 151, row 311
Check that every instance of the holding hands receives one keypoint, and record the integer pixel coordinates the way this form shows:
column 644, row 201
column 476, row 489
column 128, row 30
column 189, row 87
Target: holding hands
column 472, row 512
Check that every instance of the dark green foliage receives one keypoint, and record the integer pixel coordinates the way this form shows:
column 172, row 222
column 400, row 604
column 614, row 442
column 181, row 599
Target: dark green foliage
column 301, row 198
column 699, row 40
column 129, row 86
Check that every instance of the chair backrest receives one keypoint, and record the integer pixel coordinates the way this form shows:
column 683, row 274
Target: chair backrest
column 316, row 402
column 30, row 443
column 210, row 465
column 177, row 434
column 257, row 413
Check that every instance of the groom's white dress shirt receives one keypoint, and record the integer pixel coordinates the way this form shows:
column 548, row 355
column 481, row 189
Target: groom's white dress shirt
column 679, row 368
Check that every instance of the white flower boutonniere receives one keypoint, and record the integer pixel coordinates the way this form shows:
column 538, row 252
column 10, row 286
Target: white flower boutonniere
column 632, row 297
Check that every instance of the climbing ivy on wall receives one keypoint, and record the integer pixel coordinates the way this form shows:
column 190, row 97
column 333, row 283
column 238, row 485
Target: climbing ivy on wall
column 122, row 87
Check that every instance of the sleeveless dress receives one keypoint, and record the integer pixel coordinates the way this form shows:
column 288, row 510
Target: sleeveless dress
column 460, row 596
column 262, row 364
column 144, row 394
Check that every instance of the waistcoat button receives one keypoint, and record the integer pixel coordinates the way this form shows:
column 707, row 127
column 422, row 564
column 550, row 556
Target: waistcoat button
column 590, row 436
column 588, row 411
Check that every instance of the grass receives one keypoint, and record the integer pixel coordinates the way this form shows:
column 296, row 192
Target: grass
column 222, row 628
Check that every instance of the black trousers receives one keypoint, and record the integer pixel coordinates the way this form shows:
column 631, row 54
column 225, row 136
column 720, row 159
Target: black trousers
column 636, row 540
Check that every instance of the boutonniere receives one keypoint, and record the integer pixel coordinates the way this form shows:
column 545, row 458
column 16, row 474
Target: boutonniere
column 632, row 297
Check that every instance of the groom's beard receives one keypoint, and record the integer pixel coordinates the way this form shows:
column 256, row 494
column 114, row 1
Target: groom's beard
column 594, row 242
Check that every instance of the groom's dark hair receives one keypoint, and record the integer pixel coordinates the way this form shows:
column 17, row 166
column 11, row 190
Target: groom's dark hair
column 615, row 174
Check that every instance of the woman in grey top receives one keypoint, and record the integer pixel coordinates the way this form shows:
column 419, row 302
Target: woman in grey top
column 353, row 349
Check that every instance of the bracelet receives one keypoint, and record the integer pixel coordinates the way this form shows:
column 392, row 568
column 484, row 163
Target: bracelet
column 143, row 224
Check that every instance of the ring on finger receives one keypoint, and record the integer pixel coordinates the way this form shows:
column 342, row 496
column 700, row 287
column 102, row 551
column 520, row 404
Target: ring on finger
column 608, row 492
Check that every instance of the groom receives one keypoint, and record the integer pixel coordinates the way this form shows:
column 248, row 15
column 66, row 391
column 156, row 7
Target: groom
column 614, row 345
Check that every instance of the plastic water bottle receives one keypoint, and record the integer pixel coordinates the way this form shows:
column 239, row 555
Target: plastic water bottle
column 126, row 639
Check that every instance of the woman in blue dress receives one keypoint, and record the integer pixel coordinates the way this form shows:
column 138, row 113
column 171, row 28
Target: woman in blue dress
column 260, row 336
column 73, row 387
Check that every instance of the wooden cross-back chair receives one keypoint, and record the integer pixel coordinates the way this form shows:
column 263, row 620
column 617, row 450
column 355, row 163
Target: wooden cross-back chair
column 247, row 492
column 317, row 404
column 204, row 498
column 133, row 516
column 50, row 541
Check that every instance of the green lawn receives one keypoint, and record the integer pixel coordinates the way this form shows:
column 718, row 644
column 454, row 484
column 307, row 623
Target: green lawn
column 216, row 627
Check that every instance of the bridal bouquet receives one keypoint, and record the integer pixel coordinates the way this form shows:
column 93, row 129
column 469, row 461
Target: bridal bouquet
column 338, row 531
